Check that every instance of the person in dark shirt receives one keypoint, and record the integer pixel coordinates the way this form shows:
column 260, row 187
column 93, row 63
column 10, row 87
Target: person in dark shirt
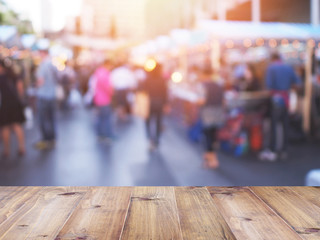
column 280, row 79
column 251, row 80
column 11, row 108
column 211, row 115
column 156, row 87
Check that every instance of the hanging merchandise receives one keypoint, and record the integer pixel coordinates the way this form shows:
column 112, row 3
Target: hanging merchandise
column 256, row 138
column 241, row 144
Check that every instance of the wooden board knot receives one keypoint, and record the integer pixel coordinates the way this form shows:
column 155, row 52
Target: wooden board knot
column 68, row 194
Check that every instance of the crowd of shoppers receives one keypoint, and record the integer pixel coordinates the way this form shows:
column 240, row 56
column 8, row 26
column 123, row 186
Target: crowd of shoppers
column 111, row 90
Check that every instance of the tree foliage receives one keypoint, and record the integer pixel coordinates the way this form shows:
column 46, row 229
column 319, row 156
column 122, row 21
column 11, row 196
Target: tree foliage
column 10, row 17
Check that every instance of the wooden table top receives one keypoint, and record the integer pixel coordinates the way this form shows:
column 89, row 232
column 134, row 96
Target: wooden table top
column 160, row 213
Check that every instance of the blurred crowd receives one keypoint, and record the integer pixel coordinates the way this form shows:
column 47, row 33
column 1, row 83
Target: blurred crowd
column 110, row 87
column 120, row 90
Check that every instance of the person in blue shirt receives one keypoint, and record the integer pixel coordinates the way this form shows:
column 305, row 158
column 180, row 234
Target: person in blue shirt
column 47, row 79
column 281, row 76
column 280, row 79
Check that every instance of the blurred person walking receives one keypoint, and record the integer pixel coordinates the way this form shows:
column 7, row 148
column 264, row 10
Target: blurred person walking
column 11, row 108
column 47, row 79
column 156, row 88
column 102, row 100
column 280, row 79
column 211, row 115
column 68, row 82
column 123, row 81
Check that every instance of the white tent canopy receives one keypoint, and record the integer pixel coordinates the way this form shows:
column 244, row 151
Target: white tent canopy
column 267, row 30
column 28, row 40
column 94, row 43
column 7, row 32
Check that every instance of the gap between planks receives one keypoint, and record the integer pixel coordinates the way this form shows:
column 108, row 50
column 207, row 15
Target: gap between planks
column 125, row 219
column 273, row 210
column 176, row 205
column 73, row 210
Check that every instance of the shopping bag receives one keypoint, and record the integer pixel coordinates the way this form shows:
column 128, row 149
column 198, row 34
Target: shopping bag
column 212, row 116
column 75, row 98
column 60, row 92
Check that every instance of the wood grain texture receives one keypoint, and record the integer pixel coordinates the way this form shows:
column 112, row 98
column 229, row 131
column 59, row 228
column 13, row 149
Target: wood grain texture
column 312, row 194
column 159, row 213
column 100, row 215
column 199, row 216
column 13, row 198
column 248, row 216
column 43, row 215
column 152, row 214
column 299, row 212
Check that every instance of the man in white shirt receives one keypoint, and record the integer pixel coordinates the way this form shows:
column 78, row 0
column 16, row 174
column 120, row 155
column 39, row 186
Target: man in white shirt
column 123, row 81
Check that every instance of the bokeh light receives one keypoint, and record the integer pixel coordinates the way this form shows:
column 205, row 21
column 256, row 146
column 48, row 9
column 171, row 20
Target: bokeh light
column 259, row 42
column 176, row 77
column 150, row 65
column 285, row 42
column 273, row 43
column 311, row 43
column 247, row 43
column 229, row 44
column 296, row 44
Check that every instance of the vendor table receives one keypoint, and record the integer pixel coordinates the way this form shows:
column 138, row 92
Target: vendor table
column 160, row 213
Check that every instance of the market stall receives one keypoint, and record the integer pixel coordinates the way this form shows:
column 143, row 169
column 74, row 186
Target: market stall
column 246, row 46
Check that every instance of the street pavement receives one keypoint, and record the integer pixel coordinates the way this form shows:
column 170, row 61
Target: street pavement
column 79, row 159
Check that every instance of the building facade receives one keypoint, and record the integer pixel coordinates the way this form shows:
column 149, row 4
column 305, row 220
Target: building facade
column 46, row 16
column 140, row 19
column 113, row 18
column 144, row 19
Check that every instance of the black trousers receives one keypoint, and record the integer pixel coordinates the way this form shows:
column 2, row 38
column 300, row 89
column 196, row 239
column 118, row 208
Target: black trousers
column 210, row 135
column 47, row 121
column 279, row 115
column 154, row 123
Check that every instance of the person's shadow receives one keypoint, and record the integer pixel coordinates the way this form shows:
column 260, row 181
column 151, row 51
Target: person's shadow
column 156, row 172
column 7, row 163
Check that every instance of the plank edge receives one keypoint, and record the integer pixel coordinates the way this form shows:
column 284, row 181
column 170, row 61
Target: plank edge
column 274, row 211
column 126, row 216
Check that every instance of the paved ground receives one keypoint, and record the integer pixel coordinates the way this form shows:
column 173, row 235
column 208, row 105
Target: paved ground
column 80, row 160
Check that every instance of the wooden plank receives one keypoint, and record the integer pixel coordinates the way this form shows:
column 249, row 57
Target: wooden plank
column 199, row 216
column 248, row 216
column 312, row 194
column 13, row 198
column 43, row 215
column 5, row 192
column 300, row 213
column 152, row 214
column 100, row 215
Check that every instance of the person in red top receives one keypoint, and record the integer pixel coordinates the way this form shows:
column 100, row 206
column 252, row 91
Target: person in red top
column 102, row 100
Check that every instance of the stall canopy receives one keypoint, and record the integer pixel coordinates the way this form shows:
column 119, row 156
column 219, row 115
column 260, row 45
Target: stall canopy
column 9, row 36
column 28, row 40
column 267, row 30
column 94, row 43
column 7, row 32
